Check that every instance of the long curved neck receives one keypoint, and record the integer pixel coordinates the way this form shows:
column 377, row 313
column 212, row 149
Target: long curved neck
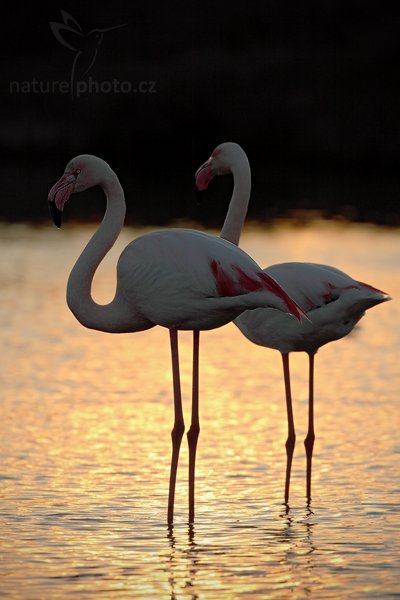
column 237, row 210
column 79, row 296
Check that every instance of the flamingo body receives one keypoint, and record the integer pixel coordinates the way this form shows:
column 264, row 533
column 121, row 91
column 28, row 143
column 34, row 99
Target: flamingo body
column 333, row 301
column 186, row 279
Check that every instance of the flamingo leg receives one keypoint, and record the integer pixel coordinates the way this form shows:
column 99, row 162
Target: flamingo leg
column 179, row 425
column 193, row 433
column 291, row 439
column 309, row 441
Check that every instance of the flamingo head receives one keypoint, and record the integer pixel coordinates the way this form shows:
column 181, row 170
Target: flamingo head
column 221, row 162
column 81, row 173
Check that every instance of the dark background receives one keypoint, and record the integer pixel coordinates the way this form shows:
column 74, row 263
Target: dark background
column 310, row 90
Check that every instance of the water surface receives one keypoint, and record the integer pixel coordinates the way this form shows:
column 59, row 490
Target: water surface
column 85, row 440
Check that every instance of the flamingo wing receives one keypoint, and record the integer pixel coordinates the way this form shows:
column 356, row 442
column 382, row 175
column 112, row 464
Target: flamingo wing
column 313, row 285
column 188, row 279
column 334, row 301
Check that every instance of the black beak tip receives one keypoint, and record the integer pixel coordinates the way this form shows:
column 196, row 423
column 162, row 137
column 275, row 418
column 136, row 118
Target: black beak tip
column 56, row 214
column 199, row 195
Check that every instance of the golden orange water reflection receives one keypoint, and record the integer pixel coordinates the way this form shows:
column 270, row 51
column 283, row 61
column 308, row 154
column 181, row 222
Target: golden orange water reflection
column 86, row 420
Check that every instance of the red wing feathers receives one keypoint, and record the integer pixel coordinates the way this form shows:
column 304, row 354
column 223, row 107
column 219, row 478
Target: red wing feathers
column 228, row 286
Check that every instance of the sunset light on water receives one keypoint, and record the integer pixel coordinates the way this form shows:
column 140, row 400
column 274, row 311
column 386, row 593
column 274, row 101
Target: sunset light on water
column 85, row 439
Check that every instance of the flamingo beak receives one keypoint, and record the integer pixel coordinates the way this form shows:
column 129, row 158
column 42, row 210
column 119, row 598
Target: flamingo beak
column 56, row 214
column 58, row 196
column 204, row 175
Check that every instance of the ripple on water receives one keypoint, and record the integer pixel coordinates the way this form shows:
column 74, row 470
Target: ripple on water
column 85, row 443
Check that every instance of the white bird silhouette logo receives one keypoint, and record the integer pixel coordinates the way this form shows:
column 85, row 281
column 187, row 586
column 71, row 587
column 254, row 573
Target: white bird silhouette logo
column 85, row 45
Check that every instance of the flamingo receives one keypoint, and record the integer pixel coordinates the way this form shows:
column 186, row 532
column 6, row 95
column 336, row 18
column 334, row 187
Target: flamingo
column 334, row 303
column 180, row 279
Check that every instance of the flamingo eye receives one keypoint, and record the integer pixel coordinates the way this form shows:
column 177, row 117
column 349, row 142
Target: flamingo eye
column 76, row 172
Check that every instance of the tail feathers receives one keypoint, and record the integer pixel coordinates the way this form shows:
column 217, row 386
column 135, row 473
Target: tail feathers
column 238, row 282
column 268, row 283
column 373, row 300
column 275, row 298
column 371, row 288
column 374, row 296
column 273, row 286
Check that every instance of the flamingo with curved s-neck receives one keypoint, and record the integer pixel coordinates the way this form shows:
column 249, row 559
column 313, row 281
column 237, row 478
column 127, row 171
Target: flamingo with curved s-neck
column 178, row 278
column 334, row 303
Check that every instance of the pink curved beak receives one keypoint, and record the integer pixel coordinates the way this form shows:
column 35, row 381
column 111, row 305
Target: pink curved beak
column 204, row 175
column 58, row 196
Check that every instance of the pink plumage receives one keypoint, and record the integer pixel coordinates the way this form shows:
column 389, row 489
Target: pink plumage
column 177, row 278
column 333, row 302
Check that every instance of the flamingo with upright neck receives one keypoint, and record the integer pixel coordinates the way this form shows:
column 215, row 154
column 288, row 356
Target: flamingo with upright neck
column 333, row 301
column 180, row 279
